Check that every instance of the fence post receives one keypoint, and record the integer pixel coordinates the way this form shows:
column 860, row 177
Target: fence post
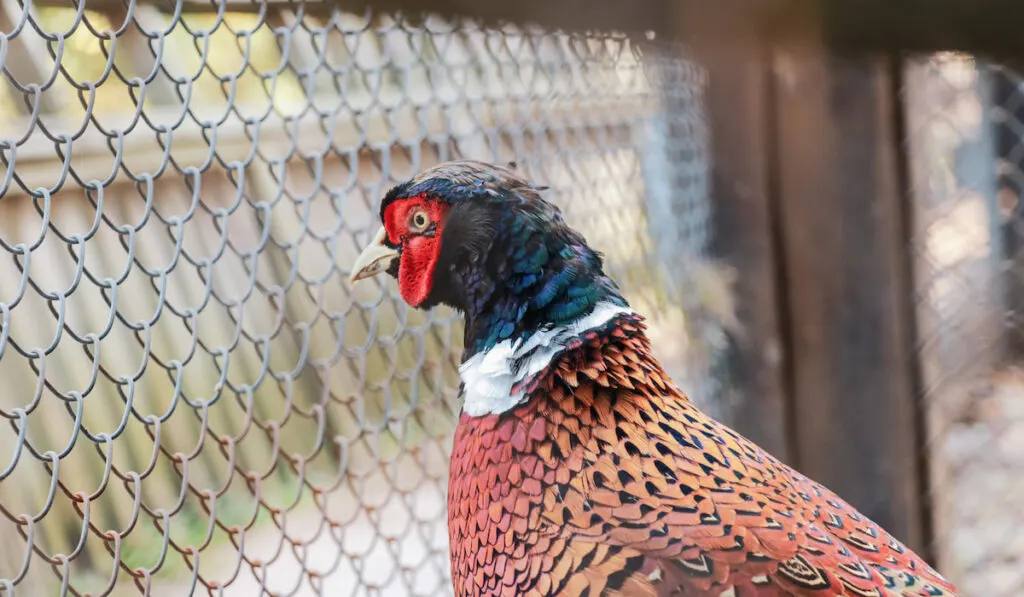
column 844, row 213
column 738, row 107
column 812, row 207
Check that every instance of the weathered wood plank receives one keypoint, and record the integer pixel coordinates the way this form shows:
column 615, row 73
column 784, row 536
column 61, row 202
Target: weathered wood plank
column 843, row 214
column 738, row 104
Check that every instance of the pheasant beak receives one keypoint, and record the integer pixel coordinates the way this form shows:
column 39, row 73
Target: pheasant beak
column 374, row 259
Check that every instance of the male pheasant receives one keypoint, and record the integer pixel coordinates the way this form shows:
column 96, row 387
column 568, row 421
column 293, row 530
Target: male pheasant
column 578, row 467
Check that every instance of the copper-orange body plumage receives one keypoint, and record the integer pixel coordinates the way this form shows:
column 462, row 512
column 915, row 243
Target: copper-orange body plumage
column 610, row 482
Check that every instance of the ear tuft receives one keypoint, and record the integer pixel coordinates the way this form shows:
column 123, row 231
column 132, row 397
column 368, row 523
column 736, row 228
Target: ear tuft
column 474, row 228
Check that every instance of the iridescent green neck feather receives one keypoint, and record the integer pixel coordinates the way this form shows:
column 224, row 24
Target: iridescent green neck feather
column 508, row 260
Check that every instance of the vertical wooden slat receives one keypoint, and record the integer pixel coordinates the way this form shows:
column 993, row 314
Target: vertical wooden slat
column 843, row 210
column 738, row 108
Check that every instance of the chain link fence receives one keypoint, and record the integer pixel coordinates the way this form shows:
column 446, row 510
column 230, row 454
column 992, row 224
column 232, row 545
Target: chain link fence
column 195, row 400
column 198, row 403
column 966, row 130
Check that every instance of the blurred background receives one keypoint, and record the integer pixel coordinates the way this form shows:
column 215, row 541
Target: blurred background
column 822, row 224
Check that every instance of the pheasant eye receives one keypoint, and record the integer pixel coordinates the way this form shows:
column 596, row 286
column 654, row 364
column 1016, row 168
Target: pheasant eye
column 418, row 221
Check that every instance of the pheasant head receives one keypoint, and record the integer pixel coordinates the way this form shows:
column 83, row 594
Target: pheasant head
column 482, row 240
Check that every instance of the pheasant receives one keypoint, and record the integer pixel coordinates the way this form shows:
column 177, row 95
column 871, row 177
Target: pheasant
column 578, row 467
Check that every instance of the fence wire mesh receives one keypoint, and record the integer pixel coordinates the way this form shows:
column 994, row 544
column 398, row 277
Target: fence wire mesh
column 966, row 147
column 197, row 402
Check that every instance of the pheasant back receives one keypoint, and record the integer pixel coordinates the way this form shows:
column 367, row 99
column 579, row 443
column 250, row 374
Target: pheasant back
column 609, row 481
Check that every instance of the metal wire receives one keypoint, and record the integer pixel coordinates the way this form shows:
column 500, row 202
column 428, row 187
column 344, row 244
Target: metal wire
column 197, row 403
column 965, row 146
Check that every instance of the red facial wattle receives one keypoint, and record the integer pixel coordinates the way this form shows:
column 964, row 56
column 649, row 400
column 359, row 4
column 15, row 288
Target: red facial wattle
column 419, row 251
